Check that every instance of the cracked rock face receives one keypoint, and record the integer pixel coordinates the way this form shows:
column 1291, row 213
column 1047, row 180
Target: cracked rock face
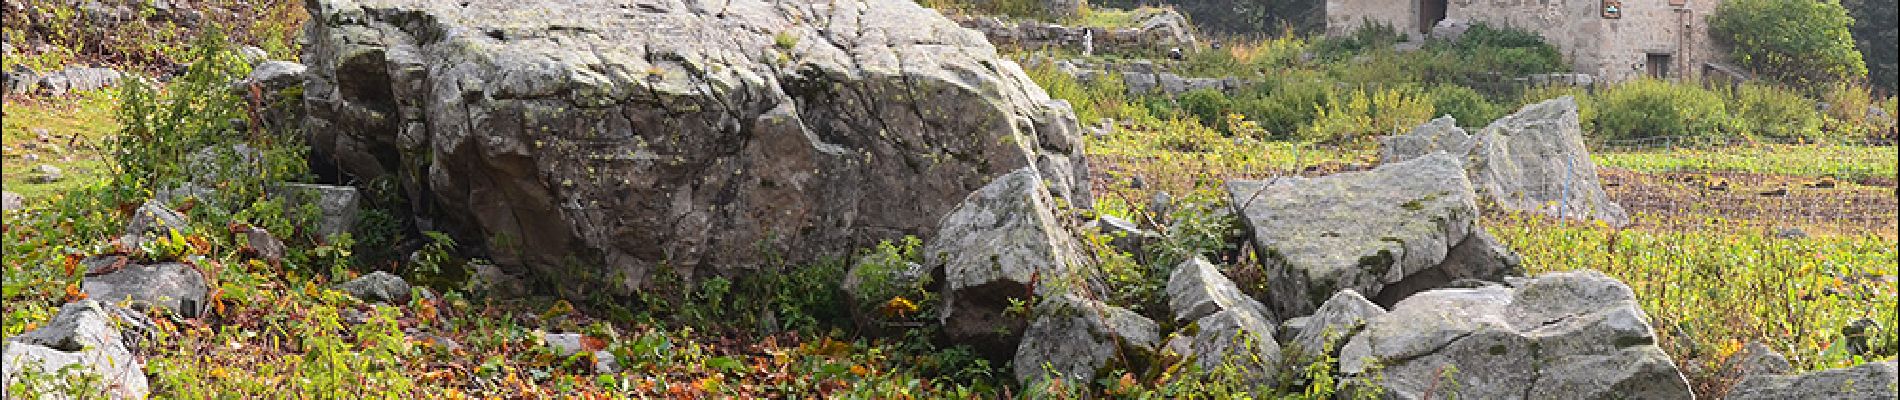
column 1387, row 233
column 1563, row 335
column 597, row 139
column 1533, row 160
column 1003, row 244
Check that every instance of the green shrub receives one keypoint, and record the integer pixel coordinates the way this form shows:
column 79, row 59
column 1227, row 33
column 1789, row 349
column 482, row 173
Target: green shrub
column 1647, row 108
column 1508, row 51
column 1284, row 104
column 1366, row 113
column 1207, row 106
column 1847, row 115
column 1463, row 104
column 1804, row 43
column 1774, row 112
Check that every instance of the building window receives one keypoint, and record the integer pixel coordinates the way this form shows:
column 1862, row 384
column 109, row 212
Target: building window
column 1429, row 13
column 1657, row 65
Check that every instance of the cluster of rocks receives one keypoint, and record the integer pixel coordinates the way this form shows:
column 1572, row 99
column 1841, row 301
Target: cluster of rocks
column 24, row 80
column 1156, row 31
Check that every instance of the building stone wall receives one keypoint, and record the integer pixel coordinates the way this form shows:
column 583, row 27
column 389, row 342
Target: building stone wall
column 1611, row 49
column 1345, row 16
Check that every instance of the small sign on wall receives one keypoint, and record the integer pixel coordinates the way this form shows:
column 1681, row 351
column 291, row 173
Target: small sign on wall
column 1612, row 9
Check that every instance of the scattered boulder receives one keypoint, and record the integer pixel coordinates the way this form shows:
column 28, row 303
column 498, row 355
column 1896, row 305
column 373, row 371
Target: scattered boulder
column 10, row 201
column 47, row 174
column 86, row 334
column 261, row 244
column 176, row 288
column 337, row 204
column 1078, row 339
column 79, row 79
column 151, row 221
column 1329, row 327
column 1002, row 244
column 1757, row 359
column 379, row 286
column 1533, row 160
column 1562, row 335
column 21, row 79
column 1197, row 289
column 1123, row 235
column 274, row 76
column 1862, row 382
column 487, row 279
column 253, row 54
column 596, row 146
column 569, row 344
column 1389, row 232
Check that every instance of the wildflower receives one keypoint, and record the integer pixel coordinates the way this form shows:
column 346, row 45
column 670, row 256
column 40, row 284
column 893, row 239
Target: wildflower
column 898, row 307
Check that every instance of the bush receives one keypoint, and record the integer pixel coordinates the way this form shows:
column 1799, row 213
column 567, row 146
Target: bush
column 1774, row 112
column 1804, row 43
column 1284, row 104
column 1647, row 108
column 1464, row 104
column 1208, row 106
column 1366, row 113
column 1847, row 115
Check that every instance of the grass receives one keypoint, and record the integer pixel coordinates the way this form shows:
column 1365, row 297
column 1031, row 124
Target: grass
column 1840, row 161
column 1708, row 291
column 78, row 127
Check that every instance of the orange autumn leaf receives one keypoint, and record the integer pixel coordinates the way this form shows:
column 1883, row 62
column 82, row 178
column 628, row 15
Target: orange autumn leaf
column 73, row 293
column 593, row 343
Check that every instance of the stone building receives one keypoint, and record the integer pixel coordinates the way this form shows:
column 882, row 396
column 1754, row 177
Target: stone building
column 1614, row 40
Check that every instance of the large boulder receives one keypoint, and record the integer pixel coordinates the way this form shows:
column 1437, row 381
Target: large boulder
column 1078, row 339
column 1387, row 233
column 595, row 140
column 1573, row 335
column 1862, row 382
column 1533, row 160
column 1003, row 245
column 176, row 288
column 85, row 335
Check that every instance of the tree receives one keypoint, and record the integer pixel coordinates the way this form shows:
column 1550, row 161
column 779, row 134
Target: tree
column 1804, row 43
column 1875, row 30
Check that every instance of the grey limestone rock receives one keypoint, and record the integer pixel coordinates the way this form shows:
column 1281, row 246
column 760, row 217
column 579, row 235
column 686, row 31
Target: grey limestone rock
column 1561, row 335
column 1533, row 160
column 1862, row 382
column 594, row 140
column 1077, row 339
column 1387, row 233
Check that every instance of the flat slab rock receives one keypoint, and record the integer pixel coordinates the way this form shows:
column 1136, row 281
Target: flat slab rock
column 1533, row 160
column 594, row 140
column 1388, row 232
column 1569, row 335
column 1868, row 381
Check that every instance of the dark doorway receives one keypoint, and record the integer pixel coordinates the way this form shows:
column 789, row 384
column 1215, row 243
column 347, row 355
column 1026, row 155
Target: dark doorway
column 1429, row 13
column 1658, row 65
